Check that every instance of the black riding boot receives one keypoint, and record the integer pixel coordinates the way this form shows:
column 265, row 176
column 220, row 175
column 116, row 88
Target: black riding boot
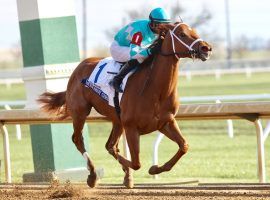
column 117, row 80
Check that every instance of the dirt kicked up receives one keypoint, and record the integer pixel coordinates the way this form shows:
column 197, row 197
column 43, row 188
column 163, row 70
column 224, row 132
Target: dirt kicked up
column 140, row 192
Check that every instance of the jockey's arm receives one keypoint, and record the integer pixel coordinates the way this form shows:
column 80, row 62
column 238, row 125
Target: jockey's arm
column 138, row 53
column 136, row 50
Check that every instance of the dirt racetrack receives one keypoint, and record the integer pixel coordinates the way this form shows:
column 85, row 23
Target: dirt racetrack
column 140, row 192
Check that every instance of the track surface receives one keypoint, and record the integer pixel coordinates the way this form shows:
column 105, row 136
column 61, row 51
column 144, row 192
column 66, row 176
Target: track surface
column 140, row 192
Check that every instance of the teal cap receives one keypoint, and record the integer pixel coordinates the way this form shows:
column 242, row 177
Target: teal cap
column 159, row 15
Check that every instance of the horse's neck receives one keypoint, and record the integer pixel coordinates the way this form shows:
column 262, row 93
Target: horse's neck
column 165, row 75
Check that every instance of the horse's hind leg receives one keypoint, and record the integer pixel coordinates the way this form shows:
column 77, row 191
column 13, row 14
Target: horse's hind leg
column 172, row 131
column 77, row 137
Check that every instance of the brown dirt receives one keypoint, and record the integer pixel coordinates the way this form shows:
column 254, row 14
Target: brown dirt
column 140, row 192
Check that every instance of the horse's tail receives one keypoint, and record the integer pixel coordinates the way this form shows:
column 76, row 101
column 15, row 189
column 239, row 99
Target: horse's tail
column 54, row 103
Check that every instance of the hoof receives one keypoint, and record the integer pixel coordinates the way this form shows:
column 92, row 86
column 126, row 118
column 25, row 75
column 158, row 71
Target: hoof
column 128, row 182
column 154, row 170
column 92, row 180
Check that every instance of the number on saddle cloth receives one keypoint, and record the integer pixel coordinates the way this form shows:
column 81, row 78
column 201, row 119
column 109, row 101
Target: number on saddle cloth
column 104, row 71
column 101, row 67
column 99, row 79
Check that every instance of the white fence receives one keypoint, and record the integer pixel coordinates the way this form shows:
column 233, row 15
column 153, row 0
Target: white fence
column 223, row 64
column 201, row 99
column 214, row 98
column 187, row 69
column 12, row 103
column 10, row 77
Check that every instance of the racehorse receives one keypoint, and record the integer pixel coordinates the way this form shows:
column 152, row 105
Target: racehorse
column 149, row 103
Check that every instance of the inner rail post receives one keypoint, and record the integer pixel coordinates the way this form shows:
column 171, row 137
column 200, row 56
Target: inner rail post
column 260, row 151
column 4, row 131
column 155, row 150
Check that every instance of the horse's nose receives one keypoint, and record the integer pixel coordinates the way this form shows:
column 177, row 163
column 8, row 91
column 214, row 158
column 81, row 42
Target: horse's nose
column 205, row 49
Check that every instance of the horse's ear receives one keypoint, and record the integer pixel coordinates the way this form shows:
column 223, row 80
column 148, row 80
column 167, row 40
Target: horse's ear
column 181, row 20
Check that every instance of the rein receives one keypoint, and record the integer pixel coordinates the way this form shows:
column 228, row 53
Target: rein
column 192, row 52
column 148, row 76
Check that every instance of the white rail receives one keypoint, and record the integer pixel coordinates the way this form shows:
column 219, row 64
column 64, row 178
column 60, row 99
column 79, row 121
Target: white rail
column 192, row 99
column 12, row 103
column 250, row 111
column 9, row 80
column 243, row 97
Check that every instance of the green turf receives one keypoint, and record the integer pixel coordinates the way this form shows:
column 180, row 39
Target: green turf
column 212, row 156
column 16, row 92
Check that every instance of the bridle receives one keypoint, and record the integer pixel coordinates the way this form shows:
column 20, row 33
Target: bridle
column 192, row 52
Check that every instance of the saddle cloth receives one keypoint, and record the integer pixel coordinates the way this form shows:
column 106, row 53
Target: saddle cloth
column 101, row 76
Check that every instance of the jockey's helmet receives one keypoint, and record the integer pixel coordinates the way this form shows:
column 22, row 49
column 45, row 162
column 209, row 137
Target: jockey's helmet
column 159, row 15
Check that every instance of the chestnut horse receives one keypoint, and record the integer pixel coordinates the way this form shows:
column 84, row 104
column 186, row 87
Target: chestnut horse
column 150, row 101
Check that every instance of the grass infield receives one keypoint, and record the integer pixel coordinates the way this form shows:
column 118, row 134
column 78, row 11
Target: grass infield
column 212, row 157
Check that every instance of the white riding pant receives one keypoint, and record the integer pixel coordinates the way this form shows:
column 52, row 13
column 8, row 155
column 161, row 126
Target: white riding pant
column 119, row 53
column 122, row 53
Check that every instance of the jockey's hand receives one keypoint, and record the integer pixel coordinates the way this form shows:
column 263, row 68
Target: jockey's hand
column 162, row 35
column 155, row 47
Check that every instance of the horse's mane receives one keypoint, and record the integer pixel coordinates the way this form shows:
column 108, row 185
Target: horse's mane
column 150, row 58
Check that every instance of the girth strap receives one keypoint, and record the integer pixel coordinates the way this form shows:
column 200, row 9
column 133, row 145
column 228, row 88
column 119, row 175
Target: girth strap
column 116, row 103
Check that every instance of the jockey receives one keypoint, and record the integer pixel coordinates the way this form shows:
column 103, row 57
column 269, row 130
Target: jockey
column 131, row 43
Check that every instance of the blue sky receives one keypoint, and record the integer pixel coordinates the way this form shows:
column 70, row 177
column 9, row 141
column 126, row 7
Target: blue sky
column 248, row 17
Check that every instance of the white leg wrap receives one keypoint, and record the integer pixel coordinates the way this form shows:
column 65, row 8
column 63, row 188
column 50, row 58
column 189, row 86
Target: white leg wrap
column 86, row 156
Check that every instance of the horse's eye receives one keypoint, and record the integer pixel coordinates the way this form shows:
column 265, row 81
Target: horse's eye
column 182, row 34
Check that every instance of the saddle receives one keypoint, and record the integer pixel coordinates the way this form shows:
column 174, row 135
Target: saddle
column 100, row 78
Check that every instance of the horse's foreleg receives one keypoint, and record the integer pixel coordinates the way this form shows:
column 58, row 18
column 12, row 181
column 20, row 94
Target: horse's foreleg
column 112, row 147
column 133, row 140
column 77, row 138
column 172, row 131
column 112, row 143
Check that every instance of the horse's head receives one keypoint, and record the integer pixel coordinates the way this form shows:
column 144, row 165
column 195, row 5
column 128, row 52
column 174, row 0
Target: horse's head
column 183, row 41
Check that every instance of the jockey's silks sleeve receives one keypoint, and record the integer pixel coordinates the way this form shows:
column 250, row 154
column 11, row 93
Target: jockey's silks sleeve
column 138, row 36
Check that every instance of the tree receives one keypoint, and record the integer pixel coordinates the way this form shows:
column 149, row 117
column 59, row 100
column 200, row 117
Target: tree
column 176, row 11
column 241, row 46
